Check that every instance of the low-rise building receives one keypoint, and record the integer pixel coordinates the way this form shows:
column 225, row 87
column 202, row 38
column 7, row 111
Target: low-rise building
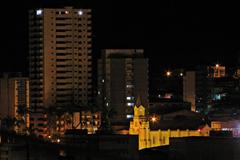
column 149, row 137
column 232, row 125
column 84, row 120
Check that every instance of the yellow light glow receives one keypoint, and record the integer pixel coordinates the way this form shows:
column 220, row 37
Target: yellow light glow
column 217, row 65
column 168, row 73
column 154, row 119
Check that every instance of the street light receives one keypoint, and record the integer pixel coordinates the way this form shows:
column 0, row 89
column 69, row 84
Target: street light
column 168, row 73
column 153, row 119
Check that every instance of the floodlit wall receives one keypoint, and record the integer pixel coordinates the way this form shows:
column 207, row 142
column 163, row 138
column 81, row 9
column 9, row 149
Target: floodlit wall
column 154, row 138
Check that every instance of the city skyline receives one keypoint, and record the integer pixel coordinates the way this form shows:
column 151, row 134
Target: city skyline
column 125, row 80
column 171, row 35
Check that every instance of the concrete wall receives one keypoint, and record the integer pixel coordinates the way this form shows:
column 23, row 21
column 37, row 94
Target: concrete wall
column 204, row 148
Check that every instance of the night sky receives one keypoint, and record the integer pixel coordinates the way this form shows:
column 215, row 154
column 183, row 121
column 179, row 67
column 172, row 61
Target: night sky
column 173, row 33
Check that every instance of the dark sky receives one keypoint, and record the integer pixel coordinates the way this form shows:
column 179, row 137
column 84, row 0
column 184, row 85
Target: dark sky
column 172, row 32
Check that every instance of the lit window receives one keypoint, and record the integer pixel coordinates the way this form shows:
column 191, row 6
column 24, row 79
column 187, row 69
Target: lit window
column 39, row 12
column 130, row 104
column 129, row 116
column 129, row 86
column 66, row 12
column 102, row 80
column 130, row 98
column 99, row 92
column 80, row 13
column 107, row 104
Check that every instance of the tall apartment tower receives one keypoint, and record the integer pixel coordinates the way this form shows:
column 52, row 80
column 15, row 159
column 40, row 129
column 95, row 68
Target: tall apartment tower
column 14, row 97
column 189, row 89
column 60, row 60
column 203, row 89
column 122, row 78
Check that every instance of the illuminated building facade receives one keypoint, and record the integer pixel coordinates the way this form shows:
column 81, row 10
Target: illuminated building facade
column 153, row 138
column 216, row 71
column 14, row 99
column 189, row 88
column 91, row 121
column 85, row 120
column 60, row 61
column 122, row 77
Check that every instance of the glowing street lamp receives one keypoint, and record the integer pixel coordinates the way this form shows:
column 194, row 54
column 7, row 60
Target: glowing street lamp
column 153, row 119
column 217, row 65
column 168, row 73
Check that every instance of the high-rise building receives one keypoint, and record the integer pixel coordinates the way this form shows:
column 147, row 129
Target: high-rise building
column 14, row 98
column 202, row 87
column 60, row 60
column 122, row 78
column 189, row 88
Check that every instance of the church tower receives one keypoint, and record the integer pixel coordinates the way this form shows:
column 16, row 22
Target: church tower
column 139, row 119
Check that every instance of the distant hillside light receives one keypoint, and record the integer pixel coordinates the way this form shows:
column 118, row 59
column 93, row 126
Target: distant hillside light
column 39, row 12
